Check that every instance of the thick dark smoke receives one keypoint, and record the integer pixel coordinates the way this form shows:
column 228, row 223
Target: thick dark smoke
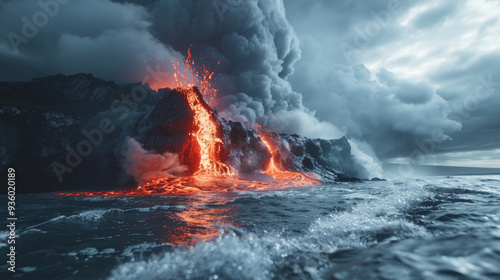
column 110, row 40
column 249, row 45
column 256, row 47
column 126, row 42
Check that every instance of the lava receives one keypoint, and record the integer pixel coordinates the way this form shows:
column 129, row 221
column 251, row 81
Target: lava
column 212, row 175
column 279, row 174
column 207, row 136
column 191, row 75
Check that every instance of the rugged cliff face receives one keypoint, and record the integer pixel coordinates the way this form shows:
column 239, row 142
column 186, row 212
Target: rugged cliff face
column 47, row 120
column 67, row 133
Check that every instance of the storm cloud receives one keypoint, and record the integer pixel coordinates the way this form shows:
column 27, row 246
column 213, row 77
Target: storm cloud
column 109, row 40
column 398, row 73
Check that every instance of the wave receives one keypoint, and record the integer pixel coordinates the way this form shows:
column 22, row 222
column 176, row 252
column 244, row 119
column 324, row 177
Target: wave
column 237, row 254
column 369, row 222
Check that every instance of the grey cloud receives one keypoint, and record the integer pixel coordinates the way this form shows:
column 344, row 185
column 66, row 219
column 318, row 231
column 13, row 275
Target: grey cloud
column 387, row 112
column 436, row 15
column 110, row 40
column 257, row 48
column 486, row 63
column 334, row 22
column 380, row 108
column 251, row 47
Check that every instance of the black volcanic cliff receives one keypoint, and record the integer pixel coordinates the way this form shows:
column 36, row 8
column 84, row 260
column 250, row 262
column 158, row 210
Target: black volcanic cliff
column 67, row 133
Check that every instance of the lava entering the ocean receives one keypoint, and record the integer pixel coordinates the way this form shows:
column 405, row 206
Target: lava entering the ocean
column 212, row 175
column 208, row 160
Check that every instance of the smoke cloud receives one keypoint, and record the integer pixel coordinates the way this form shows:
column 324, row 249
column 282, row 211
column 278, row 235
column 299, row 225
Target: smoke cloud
column 252, row 49
column 110, row 40
column 249, row 45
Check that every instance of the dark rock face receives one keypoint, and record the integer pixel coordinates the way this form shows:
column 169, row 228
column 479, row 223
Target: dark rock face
column 48, row 119
column 331, row 158
column 172, row 125
column 171, row 121
column 43, row 120
column 246, row 151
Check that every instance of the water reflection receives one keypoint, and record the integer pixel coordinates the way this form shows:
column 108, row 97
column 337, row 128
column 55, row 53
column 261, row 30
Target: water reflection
column 202, row 220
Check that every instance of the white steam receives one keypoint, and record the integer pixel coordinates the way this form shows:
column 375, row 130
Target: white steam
column 145, row 165
column 365, row 157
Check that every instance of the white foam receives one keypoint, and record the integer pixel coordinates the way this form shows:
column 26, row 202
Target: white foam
column 90, row 251
column 356, row 228
column 230, row 257
column 34, row 229
column 130, row 250
column 94, row 215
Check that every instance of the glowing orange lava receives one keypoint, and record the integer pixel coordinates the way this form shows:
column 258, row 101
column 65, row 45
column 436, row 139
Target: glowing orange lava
column 191, row 75
column 293, row 178
column 207, row 136
column 212, row 175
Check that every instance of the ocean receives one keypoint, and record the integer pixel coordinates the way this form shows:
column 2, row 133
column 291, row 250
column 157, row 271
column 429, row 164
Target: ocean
column 428, row 228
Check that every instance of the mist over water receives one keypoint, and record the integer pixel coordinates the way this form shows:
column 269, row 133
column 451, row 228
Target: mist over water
column 433, row 228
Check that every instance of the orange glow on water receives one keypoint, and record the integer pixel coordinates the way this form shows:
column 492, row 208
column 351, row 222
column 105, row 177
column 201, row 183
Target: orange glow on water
column 200, row 222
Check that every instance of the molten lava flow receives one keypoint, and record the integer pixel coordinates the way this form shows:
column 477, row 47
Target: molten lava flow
column 212, row 175
column 207, row 136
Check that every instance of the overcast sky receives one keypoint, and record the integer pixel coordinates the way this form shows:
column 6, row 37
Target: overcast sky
column 435, row 50
column 401, row 78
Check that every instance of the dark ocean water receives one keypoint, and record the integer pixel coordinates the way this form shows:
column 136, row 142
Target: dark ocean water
column 432, row 228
